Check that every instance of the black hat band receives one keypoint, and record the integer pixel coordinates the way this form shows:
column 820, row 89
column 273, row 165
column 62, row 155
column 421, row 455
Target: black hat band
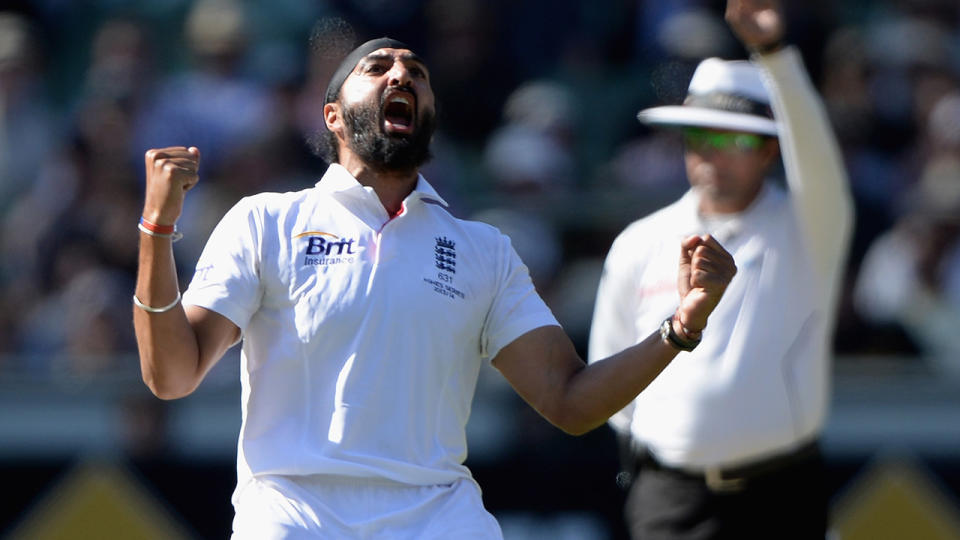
column 730, row 103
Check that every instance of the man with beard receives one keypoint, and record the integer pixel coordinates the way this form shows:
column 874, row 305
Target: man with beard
column 366, row 312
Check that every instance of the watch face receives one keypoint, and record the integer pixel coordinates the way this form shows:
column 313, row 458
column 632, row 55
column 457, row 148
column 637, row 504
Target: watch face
column 665, row 328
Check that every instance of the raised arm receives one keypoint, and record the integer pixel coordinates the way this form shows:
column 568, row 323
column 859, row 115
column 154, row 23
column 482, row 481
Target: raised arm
column 544, row 368
column 177, row 346
column 812, row 160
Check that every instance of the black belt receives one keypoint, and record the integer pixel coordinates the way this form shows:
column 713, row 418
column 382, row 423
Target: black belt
column 735, row 478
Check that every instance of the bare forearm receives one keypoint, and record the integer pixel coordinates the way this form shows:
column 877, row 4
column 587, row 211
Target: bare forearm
column 599, row 390
column 543, row 367
column 169, row 354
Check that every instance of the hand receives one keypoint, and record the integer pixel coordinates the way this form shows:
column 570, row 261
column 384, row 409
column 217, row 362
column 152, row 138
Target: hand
column 706, row 269
column 171, row 172
column 757, row 23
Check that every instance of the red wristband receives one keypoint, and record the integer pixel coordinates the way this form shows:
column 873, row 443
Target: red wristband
column 158, row 229
column 687, row 333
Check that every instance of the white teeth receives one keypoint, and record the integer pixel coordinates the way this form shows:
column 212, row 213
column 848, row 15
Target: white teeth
column 400, row 99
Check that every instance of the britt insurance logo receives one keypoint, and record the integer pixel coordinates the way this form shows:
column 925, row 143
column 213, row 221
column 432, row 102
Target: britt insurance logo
column 323, row 248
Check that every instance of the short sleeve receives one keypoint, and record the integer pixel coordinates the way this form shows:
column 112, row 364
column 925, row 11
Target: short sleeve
column 516, row 308
column 227, row 277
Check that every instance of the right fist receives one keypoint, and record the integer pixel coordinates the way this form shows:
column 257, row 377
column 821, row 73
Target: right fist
column 171, row 172
column 757, row 23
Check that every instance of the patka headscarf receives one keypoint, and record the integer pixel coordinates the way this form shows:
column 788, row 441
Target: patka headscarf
column 346, row 66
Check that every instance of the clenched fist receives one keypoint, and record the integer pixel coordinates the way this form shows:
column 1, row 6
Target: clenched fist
column 171, row 172
column 706, row 269
column 757, row 23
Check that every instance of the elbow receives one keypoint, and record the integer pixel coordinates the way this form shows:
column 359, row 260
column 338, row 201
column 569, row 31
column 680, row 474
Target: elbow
column 166, row 389
column 569, row 409
column 572, row 423
column 577, row 429
column 167, row 395
column 166, row 377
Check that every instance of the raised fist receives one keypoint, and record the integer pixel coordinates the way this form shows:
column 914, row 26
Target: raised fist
column 757, row 23
column 706, row 269
column 171, row 172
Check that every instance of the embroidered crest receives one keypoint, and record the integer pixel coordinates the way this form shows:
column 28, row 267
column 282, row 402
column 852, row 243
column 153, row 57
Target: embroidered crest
column 445, row 254
column 445, row 259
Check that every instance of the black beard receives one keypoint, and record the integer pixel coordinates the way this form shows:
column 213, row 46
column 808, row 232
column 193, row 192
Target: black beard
column 382, row 151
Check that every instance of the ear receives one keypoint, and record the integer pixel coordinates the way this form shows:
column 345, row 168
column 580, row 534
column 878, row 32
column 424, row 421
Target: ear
column 771, row 151
column 331, row 117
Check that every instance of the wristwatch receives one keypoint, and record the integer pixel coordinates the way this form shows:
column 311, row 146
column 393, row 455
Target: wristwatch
column 670, row 337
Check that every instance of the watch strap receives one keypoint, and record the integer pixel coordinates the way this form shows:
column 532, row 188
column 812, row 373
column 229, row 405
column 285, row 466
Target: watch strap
column 670, row 337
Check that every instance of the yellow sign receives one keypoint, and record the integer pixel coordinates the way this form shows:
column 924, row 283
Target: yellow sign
column 895, row 500
column 99, row 501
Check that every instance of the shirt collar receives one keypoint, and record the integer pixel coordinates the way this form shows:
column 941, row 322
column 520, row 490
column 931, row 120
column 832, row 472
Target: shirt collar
column 727, row 227
column 337, row 179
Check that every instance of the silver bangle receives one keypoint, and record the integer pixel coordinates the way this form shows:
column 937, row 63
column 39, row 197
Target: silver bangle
column 174, row 236
column 148, row 309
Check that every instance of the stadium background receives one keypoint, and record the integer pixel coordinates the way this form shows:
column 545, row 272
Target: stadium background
column 537, row 135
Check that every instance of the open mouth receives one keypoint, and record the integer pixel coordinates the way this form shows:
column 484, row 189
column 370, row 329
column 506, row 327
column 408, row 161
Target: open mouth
column 398, row 113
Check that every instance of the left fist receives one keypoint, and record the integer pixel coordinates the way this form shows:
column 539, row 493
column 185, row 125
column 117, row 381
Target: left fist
column 706, row 269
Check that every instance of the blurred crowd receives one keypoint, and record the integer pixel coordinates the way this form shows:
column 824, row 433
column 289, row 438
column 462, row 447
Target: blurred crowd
column 537, row 135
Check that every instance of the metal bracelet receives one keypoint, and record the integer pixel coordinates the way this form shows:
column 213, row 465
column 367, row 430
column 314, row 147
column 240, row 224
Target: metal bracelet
column 148, row 309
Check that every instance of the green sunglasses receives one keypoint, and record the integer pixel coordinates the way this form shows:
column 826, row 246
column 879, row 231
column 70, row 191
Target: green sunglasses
column 702, row 139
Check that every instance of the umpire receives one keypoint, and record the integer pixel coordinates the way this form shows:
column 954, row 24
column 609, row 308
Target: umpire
column 724, row 444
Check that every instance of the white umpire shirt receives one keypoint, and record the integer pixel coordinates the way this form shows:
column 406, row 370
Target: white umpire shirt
column 363, row 335
column 758, row 383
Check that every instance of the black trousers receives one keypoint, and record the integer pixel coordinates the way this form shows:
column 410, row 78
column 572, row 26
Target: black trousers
column 785, row 503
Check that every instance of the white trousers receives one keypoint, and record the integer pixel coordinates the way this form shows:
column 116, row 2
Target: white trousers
column 343, row 508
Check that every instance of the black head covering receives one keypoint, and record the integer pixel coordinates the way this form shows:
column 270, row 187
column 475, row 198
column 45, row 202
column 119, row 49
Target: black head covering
column 352, row 59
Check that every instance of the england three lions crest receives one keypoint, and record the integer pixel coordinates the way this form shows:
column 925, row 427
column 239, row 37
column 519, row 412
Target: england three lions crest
column 445, row 259
column 445, row 254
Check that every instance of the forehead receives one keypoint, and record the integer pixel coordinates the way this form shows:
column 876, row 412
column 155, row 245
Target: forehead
column 392, row 55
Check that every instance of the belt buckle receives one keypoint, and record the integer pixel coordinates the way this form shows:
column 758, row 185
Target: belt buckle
column 718, row 484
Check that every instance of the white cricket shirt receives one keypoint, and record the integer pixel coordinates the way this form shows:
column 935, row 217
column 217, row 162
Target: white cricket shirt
column 758, row 382
column 363, row 335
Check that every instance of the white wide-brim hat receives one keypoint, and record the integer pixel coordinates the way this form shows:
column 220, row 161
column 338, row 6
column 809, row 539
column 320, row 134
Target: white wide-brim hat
column 723, row 94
